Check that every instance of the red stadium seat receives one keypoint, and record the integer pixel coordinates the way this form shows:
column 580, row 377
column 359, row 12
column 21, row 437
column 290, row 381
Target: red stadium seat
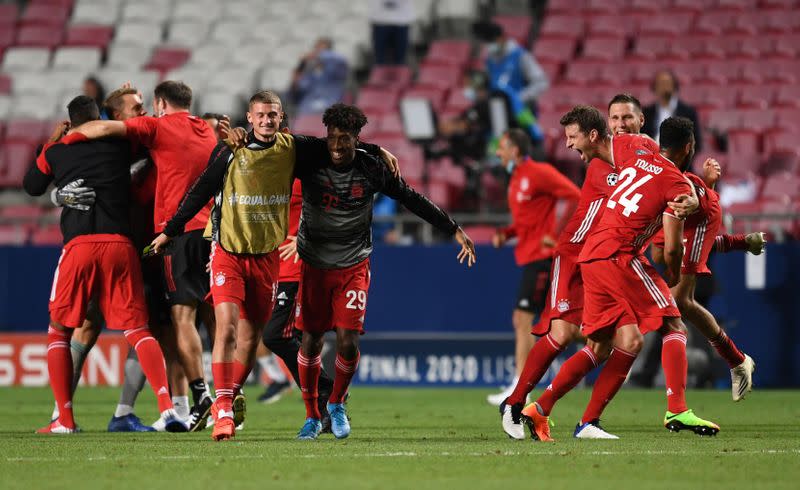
column 442, row 77
column 457, row 102
column 517, row 27
column 480, row 234
column 555, row 50
column 651, row 47
column 165, row 59
column 377, row 100
column 724, row 120
column 564, row 6
column 449, row 53
column 89, row 35
column 604, row 49
column 782, row 161
column 309, row 124
column 22, row 212
column 45, row 15
column 599, row 7
column 714, row 22
column 779, row 141
column 756, row 120
column 439, row 193
column 17, row 158
column 13, row 235
column 736, row 5
column 553, row 71
column 611, row 26
column 8, row 14
column 29, row 131
column 788, row 45
column 690, row 6
column 5, row 84
column 787, row 119
column 40, row 36
column 743, row 142
column 565, row 26
column 756, row 97
column 435, row 95
column 669, row 23
column 396, row 76
column 782, row 187
column 739, row 165
column 48, row 235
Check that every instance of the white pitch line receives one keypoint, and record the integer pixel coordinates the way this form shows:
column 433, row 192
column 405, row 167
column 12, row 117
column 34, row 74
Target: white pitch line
column 403, row 454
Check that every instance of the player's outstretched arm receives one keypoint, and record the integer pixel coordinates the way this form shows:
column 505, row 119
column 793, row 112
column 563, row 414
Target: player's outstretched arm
column 751, row 242
column 101, row 129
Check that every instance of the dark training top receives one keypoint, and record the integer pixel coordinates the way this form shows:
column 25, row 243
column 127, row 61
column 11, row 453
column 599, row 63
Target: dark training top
column 104, row 165
column 336, row 222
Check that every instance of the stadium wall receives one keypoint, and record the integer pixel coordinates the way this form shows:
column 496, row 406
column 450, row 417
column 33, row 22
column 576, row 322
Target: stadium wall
column 430, row 321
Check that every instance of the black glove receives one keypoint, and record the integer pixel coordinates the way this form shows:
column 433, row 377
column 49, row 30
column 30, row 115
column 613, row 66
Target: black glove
column 74, row 196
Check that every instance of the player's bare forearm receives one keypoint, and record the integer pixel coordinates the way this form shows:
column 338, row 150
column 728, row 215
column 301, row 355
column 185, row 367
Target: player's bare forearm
column 673, row 248
column 101, row 129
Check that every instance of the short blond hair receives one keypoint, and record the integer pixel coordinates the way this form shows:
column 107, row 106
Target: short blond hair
column 265, row 97
column 114, row 100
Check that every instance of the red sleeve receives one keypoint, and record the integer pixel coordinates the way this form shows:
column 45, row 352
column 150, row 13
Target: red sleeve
column 509, row 231
column 675, row 188
column 142, row 130
column 557, row 184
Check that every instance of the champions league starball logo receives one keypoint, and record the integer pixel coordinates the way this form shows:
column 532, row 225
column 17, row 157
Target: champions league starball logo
column 612, row 179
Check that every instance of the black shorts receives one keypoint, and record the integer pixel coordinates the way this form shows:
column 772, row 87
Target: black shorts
column 281, row 323
column 154, row 295
column 533, row 286
column 185, row 278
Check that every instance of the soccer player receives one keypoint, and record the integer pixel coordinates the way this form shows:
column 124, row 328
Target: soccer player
column 180, row 145
column 624, row 297
column 560, row 323
column 700, row 235
column 98, row 261
column 535, row 191
column 335, row 241
column 252, row 189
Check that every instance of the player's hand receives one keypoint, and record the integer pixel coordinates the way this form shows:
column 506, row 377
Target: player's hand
column 289, row 249
column 208, row 267
column 59, row 131
column 224, row 127
column 391, row 162
column 467, row 248
column 74, row 195
column 684, row 205
column 711, row 172
column 498, row 239
column 756, row 242
column 159, row 243
column 548, row 241
column 237, row 138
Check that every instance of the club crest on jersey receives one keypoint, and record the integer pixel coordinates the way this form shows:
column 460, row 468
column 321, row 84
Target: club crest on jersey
column 357, row 191
column 219, row 278
column 563, row 305
column 612, row 179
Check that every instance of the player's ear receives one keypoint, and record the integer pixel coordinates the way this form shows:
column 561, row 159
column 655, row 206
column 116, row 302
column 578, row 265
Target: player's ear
column 593, row 135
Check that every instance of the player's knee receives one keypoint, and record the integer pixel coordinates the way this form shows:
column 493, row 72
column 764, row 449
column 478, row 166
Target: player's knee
column 563, row 332
column 632, row 344
column 601, row 350
column 685, row 303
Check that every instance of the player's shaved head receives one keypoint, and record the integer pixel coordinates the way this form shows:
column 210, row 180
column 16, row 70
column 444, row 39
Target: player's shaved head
column 587, row 118
column 82, row 109
column 265, row 97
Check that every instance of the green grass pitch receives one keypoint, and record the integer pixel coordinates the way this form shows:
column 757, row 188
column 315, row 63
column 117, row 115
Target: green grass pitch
column 409, row 438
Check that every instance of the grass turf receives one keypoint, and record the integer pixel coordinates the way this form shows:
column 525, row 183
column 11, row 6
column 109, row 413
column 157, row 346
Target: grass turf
column 409, row 438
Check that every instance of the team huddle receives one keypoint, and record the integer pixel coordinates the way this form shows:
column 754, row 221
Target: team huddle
column 265, row 236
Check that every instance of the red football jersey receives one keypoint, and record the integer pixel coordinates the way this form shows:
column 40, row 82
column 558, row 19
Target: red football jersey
column 290, row 270
column 634, row 210
column 180, row 145
column 601, row 178
column 533, row 192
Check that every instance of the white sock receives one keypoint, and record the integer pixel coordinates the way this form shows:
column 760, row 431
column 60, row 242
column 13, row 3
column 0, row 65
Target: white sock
column 273, row 369
column 123, row 410
column 181, row 404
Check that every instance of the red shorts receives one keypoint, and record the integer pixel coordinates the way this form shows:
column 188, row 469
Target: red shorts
column 565, row 296
column 624, row 290
column 250, row 281
column 333, row 298
column 697, row 246
column 104, row 267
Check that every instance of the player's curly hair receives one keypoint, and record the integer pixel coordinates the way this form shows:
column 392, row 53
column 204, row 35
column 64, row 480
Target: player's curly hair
column 345, row 117
column 587, row 118
column 675, row 133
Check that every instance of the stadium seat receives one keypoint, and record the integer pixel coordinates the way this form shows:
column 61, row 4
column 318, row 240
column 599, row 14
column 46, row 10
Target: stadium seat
column 8, row 14
column 603, row 49
column 18, row 158
column 555, row 50
column 153, row 12
column 96, row 12
column 195, row 11
column 396, row 76
column 434, row 95
column 22, row 212
column 778, row 161
column 114, row 78
column 562, row 26
column 788, row 96
column 5, row 108
column 611, row 26
column 12, row 234
column 378, row 101
column 517, row 27
column 144, row 34
column 756, row 120
column 88, row 35
column 442, row 77
column 308, row 124
column 47, row 235
column 240, row 80
column 40, row 36
column 788, row 119
column 31, row 131
column 26, row 59
column 448, row 52
column 782, row 187
column 44, row 15
column 187, row 33
column 480, row 234
column 743, row 142
column 756, row 97
column 126, row 56
column 164, row 59
column 36, row 106
column 208, row 56
column 780, row 141
column 221, row 103
column 670, row 24
column 84, row 58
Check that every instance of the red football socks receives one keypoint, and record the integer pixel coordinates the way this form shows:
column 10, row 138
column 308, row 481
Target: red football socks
column 223, row 387
column 539, row 359
column 152, row 360
column 570, row 374
column 59, row 367
column 240, row 374
column 727, row 349
column 344, row 374
column 673, row 360
column 608, row 383
column 309, row 377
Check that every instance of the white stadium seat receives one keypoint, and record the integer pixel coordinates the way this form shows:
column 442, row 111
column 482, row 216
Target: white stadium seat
column 39, row 106
column 103, row 12
column 138, row 33
column 157, row 12
column 221, row 103
column 194, row 77
column 194, row 10
column 143, row 80
column 26, row 59
column 31, row 82
column 85, row 58
column 5, row 106
column 209, row 56
column 130, row 56
column 187, row 33
column 240, row 80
